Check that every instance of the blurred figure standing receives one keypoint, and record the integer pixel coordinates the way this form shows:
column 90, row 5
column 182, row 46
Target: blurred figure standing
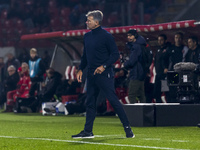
column 36, row 70
column 159, row 66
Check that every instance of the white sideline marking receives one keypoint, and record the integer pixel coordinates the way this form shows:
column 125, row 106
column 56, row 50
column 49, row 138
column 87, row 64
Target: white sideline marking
column 93, row 143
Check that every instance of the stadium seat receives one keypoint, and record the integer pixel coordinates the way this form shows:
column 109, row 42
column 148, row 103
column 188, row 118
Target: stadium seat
column 65, row 12
column 68, row 98
column 19, row 24
column 4, row 14
column 10, row 43
column 147, row 18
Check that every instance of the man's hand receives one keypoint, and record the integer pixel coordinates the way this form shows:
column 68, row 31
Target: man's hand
column 79, row 76
column 165, row 70
column 99, row 70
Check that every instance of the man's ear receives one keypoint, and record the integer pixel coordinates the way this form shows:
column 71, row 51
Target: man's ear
column 97, row 22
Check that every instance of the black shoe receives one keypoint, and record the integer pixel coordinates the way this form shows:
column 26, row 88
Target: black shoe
column 129, row 132
column 83, row 134
column 198, row 125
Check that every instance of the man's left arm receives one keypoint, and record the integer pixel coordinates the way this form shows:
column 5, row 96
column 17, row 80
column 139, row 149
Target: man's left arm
column 113, row 51
column 113, row 54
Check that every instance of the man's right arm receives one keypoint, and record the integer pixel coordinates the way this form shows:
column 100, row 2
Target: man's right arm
column 82, row 66
column 83, row 60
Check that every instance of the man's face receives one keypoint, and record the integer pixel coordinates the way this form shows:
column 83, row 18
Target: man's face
column 91, row 23
column 32, row 55
column 24, row 68
column 11, row 71
column 10, row 56
column 161, row 41
column 178, row 40
column 191, row 44
column 131, row 38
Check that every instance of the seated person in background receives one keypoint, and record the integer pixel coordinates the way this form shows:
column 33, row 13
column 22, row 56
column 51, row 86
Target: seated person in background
column 23, row 87
column 48, row 91
column 120, row 75
column 9, row 84
column 67, row 87
column 45, row 95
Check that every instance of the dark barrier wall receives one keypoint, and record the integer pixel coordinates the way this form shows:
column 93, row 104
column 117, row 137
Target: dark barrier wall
column 143, row 115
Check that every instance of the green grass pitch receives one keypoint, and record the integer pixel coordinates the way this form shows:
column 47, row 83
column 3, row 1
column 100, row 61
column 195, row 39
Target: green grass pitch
column 37, row 132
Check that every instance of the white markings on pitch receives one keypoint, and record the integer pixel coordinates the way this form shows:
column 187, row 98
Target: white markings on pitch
column 92, row 143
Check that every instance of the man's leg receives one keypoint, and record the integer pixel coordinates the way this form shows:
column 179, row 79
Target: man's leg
column 33, row 88
column 157, row 90
column 132, row 91
column 107, row 86
column 141, row 91
column 92, row 92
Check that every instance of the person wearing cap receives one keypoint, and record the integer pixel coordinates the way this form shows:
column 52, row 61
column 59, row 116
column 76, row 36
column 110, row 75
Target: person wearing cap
column 134, row 64
column 36, row 71
column 99, row 54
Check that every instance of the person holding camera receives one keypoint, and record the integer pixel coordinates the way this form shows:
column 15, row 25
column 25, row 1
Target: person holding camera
column 174, row 54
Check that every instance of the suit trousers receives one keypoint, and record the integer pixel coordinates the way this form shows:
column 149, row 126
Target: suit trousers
column 105, row 83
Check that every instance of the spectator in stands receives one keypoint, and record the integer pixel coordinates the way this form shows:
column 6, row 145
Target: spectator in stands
column 174, row 54
column 23, row 87
column 48, row 91
column 134, row 64
column 10, row 83
column 11, row 61
column 46, row 59
column 33, row 104
column 100, row 52
column 194, row 50
column 120, row 75
column 67, row 87
column 36, row 70
column 24, row 56
column 159, row 66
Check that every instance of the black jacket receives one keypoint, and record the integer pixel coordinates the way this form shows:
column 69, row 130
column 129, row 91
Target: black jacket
column 134, row 64
column 159, row 60
column 174, row 55
column 10, row 83
column 193, row 55
column 49, row 90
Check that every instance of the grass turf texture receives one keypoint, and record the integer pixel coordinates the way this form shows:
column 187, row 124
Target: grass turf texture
column 37, row 132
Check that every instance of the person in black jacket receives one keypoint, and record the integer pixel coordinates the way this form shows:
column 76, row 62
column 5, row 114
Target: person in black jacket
column 48, row 91
column 9, row 84
column 159, row 66
column 194, row 50
column 100, row 52
column 11, row 61
column 174, row 54
column 134, row 64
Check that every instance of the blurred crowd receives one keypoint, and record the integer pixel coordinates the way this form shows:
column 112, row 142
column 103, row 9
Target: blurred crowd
column 27, row 81
column 18, row 17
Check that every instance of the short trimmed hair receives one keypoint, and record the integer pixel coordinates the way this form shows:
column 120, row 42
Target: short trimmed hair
column 12, row 67
column 97, row 15
column 163, row 35
column 180, row 33
column 25, row 64
column 194, row 39
column 33, row 50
